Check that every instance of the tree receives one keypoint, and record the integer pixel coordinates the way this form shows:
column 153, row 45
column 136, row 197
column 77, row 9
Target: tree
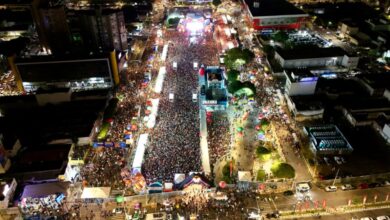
column 283, row 170
column 261, row 175
column 173, row 21
column 233, row 75
column 262, row 153
column 280, row 36
column 216, row 3
column 247, row 55
column 234, row 86
column 236, row 57
column 270, row 51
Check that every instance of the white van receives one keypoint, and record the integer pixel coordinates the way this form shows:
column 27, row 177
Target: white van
column 171, row 96
column 194, row 97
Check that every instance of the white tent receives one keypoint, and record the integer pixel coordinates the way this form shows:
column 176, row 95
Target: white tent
column 179, row 177
column 96, row 192
column 140, row 151
column 244, row 176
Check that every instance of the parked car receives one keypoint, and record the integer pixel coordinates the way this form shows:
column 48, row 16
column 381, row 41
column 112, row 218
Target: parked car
column 383, row 217
column 363, row 186
column 373, row 185
column 331, row 188
column 288, row 193
column 366, row 218
column 386, row 183
column 347, row 187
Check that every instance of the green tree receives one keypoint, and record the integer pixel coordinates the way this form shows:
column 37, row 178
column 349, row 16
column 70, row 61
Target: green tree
column 216, row 3
column 261, row 175
column 280, row 36
column 234, row 86
column 233, row 75
column 236, row 57
column 173, row 21
column 270, row 51
column 263, row 153
column 247, row 55
column 283, row 170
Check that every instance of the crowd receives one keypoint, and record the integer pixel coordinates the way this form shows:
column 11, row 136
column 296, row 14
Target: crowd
column 129, row 96
column 218, row 136
column 105, row 168
column 174, row 145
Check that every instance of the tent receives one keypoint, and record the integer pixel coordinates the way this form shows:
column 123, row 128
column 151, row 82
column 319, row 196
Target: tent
column 168, row 187
column 194, row 178
column 179, row 177
column 202, row 71
column 244, row 176
column 96, row 192
column 155, row 187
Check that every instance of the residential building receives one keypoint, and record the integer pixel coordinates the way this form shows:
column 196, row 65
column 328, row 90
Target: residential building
column 327, row 140
column 305, row 107
column 300, row 82
column 72, row 72
column 274, row 14
column 315, row 57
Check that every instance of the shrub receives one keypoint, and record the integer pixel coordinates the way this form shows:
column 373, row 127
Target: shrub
column 283, row 170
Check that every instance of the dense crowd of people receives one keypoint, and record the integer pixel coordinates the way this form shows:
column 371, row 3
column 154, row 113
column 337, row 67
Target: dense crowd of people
column 218, row 136
column 176, row 134
column 105, row 168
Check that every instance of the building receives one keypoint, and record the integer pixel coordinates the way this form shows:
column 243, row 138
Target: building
column 327, row 140
column 7, row 189
column 213, row 92
column 315, row 57
column 48, row 72
column 305, row 107
column 386, row 132
column 98, row 29
column 274, row 14
column 300, row 82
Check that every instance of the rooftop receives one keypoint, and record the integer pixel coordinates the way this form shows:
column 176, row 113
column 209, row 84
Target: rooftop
column 273, row 8
column 45, row 189
column 307, row 102
column 327, row 138
column 307, row 53
column 300, row 75
column 376, row 81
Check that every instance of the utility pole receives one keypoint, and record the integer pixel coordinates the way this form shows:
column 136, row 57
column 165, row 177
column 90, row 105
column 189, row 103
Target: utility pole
column 337, row 173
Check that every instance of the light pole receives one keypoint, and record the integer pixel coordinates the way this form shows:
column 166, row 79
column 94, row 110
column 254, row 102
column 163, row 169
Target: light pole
column 337, row 173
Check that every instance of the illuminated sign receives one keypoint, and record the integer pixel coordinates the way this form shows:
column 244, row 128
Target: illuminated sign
column 308, row 79
column 210, row 102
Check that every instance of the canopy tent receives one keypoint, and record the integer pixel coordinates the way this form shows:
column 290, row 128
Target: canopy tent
column 244, row 176
column 96, row 193
column 45, row 189
column 179, row 177
column 194, row 178
column 153, row 113
column 168, row 187
column 155, row 187
column 140, row 151
column 160, row 79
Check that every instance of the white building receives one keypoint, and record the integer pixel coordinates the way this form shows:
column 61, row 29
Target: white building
column 300, row 82
column 319, row 57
